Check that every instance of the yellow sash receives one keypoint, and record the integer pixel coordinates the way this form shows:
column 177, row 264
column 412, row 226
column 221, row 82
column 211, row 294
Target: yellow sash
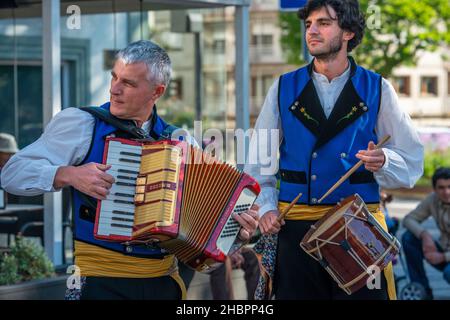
column 305, row 212
column 94, row 261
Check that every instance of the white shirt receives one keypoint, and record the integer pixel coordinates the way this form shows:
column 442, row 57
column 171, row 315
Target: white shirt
column 65, row 142
column 403, row 152
column 327, row 91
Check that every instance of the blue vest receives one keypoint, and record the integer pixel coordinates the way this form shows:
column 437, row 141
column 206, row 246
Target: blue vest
column 85, row 206
column 316, row 152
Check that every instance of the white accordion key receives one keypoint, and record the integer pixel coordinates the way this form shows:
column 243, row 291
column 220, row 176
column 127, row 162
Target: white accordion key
column 117, row 211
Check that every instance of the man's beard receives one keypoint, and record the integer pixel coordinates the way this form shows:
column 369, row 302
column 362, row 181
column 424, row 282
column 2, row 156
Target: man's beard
column 333, row 50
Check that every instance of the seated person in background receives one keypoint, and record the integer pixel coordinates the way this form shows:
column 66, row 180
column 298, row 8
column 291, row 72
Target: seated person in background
column 418, row 242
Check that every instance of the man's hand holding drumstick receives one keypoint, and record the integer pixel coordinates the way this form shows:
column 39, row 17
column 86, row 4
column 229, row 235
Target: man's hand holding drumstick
column 372, row 158
column 272, row 221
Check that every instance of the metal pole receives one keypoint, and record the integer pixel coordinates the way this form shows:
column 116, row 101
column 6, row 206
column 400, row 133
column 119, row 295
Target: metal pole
column 16, row 79
column 198, row 76
column 242, row 71
column 51, row 71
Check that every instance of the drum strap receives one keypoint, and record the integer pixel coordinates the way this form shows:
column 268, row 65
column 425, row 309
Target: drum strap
column 389, row 270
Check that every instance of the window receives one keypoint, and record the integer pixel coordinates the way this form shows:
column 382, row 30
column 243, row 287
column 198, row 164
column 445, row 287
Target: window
column 176, row 88
column 218, row 46
column 428, row 86
column 213, row 85
column 266, row 39
column 262, row 39
column 402, row 85
column 267, row 83
column 254, row 86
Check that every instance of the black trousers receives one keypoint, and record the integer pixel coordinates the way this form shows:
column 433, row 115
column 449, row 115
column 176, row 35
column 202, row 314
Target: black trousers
column 298, row 276
column 105, row 288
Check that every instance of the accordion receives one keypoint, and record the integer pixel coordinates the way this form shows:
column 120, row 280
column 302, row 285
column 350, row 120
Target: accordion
column 175, row 196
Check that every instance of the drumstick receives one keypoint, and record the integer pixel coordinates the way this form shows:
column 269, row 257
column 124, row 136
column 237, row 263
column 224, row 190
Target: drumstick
column 285, row 211
column 349, row 172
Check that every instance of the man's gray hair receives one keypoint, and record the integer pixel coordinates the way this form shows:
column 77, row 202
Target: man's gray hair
column 156, row 59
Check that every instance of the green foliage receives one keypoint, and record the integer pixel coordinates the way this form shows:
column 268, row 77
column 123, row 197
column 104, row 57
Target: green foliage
column 180, row 118
column 26, row 261
column 405, row 28
column 9, row 270
column 291, row 38
column 432, row 161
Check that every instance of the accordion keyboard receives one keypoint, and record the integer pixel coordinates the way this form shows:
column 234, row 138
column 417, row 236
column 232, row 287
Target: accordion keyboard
column 231, row 229
column 117, row 211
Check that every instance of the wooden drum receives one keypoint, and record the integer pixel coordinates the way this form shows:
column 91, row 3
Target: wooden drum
column 349, row 242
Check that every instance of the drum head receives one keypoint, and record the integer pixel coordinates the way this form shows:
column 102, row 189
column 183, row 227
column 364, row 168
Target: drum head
column 331, row 220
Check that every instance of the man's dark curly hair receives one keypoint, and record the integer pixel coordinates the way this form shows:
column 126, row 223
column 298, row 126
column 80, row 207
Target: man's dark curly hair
column 348, row 15
column 440, row 173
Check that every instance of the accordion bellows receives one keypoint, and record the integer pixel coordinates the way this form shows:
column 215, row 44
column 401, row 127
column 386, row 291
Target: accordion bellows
column 171, row 194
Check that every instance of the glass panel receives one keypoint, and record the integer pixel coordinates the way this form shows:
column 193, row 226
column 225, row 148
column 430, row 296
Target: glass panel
column 30, row 104
column 7, row 101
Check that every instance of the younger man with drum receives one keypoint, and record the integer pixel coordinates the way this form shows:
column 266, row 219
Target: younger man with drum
column 329, row 115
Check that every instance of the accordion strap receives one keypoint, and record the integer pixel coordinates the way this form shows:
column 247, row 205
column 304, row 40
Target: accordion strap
column 167, row 132
column 125, row 125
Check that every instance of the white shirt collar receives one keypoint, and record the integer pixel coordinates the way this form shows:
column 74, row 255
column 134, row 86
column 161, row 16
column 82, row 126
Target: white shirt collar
column 322, row 78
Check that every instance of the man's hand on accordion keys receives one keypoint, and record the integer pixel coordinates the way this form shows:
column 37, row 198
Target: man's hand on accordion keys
column 90, row 178
column 249, row 222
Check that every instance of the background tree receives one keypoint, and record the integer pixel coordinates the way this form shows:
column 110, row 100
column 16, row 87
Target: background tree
column 397, row 31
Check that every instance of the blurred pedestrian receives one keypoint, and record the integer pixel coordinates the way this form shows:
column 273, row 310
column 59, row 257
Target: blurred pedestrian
column 221, row 278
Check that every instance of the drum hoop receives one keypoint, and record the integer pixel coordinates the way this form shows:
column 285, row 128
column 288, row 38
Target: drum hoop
column 328, row 222
column 358, row 278
column 332, row 211
column 338, row 280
